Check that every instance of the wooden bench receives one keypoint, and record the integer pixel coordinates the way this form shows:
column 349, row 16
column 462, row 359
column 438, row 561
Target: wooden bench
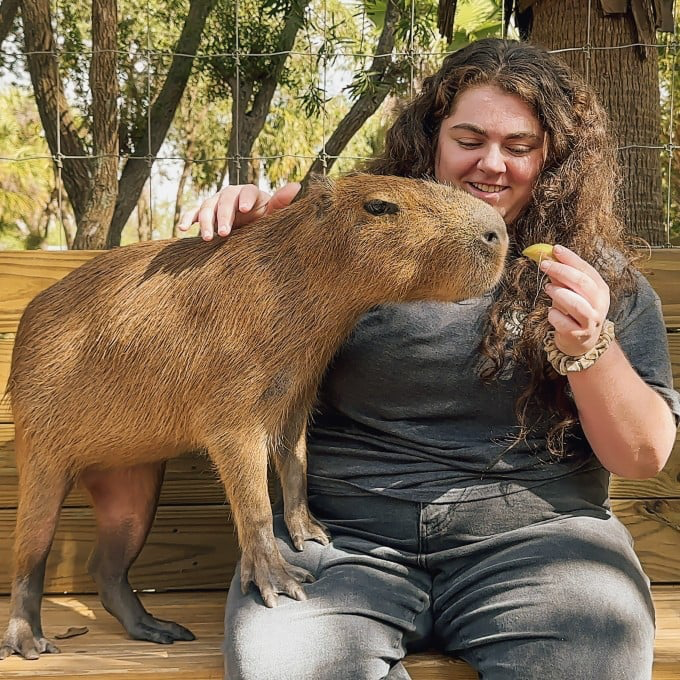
column 191, row 551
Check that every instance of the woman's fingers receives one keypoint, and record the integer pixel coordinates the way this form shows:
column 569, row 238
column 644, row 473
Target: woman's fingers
column 244, row 208
column 577, row 275
column 283, row 197
column 235, row 206
column 572, row 304
column 580, row 301
column 206, row 217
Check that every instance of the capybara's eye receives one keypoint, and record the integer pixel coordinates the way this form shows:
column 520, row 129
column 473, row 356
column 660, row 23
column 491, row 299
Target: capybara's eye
column 378, row 207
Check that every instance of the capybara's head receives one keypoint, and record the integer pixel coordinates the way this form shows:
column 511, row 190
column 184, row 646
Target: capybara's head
column 422, row 239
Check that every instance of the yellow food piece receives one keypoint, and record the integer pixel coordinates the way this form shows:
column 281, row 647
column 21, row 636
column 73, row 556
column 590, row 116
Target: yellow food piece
column 538, row 252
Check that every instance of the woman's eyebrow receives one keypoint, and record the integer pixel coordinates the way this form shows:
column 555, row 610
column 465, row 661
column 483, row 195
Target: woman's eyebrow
column 521, row 134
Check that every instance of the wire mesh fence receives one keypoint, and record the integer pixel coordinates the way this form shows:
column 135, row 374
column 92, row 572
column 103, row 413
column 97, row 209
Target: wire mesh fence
column 330, row 62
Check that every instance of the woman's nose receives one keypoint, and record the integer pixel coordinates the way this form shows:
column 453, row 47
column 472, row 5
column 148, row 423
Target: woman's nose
column 492, row 161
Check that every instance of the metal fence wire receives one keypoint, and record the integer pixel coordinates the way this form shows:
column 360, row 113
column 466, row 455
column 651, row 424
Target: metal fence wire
column 324, row 58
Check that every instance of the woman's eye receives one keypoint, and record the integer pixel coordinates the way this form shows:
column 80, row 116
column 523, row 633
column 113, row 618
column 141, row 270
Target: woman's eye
column 469, row 145
column 519, row 150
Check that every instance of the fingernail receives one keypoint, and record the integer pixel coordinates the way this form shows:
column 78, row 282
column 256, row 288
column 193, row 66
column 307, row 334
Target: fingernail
column 558, row 248
column 544, row 265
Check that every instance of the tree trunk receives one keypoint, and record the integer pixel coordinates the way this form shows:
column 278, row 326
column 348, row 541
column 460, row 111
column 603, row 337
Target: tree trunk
column 92, row 226
column 137, row 170
column 55, row 114
column 368, row 102
column 8, row 12
column 627, row 82
column 144, row 213
column 248, row 118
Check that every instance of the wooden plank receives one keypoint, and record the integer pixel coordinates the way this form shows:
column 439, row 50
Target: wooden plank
column 105, row 653
column 655, row 527
column 195, row 546
column 23, row 274
column 188, row 548
column 189, row 480
column 663, row 272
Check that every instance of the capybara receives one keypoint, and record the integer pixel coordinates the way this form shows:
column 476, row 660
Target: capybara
column 158, row 348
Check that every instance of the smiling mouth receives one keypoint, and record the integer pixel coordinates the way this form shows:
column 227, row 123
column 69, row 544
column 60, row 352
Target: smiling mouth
column 487, row 188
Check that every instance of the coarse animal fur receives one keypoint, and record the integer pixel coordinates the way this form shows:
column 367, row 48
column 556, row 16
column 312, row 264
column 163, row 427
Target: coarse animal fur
column 154, row 349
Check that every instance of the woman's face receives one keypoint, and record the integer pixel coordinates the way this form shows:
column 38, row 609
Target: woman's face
column 491, row 145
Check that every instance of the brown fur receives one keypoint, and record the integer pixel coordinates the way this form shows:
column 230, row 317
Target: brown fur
column 154, row 349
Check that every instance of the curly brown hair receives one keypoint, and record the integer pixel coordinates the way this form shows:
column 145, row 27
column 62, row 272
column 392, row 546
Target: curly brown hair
column 572, row 203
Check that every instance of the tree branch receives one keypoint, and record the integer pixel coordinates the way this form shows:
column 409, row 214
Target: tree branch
column 369, row 101
column 147, row 144
column 250, row 123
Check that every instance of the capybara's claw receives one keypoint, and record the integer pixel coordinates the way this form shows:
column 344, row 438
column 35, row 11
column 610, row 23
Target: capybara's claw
column 273, row 577
column 159, row 631
column 23, row 643
column 303, row 527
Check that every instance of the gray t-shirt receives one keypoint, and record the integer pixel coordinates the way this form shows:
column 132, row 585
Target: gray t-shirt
column 402, row 411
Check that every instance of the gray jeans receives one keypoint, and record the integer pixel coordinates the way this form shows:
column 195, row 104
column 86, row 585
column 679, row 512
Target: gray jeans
column 520, row 587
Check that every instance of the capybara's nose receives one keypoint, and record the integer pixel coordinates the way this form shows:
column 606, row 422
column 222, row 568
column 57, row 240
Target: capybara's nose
column 496, row 237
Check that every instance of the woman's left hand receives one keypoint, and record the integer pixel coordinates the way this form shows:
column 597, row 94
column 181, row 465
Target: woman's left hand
column 580, row 301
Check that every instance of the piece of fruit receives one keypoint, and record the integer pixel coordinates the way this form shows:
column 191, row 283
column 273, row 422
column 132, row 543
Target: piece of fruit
column 538, row 252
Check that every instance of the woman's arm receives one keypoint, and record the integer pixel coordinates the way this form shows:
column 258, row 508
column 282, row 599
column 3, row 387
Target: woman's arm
column 628, row 424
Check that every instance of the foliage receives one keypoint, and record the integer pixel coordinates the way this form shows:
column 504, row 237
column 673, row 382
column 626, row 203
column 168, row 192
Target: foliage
column 328, row 71
column 25, row 181
column 476, row 19
column 669, row 81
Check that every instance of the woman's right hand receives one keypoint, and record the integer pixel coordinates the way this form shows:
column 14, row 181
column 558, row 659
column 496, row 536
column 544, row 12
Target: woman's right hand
column 235, row 206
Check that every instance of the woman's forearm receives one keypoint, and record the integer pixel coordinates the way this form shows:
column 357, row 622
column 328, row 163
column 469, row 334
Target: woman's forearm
column 629, row 426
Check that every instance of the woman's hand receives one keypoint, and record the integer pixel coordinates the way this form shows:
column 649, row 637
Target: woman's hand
column 580, row 301
column 235, row 206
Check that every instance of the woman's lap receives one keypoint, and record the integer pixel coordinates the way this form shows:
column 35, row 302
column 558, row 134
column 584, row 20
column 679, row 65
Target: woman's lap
column 360, row 612
column 562, row 598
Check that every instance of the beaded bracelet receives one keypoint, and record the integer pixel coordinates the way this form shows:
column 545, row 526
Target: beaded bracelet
column 564, row 363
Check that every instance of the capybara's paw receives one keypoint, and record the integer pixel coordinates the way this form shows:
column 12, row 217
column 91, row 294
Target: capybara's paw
column 273, row 576
column 19, row 640
column 303, row 527
column 159, row 631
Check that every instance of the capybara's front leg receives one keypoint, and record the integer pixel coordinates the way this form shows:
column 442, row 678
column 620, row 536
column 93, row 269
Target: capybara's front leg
column 243, row 470
column 291, row 464
column 42, row 489
column 125, row 502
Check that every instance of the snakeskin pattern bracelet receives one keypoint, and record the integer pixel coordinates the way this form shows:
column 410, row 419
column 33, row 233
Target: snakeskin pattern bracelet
column 564, row 363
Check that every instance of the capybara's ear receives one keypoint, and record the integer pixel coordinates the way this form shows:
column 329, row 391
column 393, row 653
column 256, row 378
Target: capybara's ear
column 321, row 187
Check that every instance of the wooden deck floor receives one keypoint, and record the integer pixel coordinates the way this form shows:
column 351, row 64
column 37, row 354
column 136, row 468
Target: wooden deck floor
column 105, row 653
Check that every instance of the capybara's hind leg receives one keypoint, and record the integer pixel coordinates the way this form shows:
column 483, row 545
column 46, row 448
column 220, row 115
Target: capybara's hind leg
column 125, row 502
column 242, row 465
column 291, row 464
column 41, row 493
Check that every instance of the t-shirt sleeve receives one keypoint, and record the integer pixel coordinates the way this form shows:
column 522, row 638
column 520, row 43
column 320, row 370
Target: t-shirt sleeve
column 641, row 332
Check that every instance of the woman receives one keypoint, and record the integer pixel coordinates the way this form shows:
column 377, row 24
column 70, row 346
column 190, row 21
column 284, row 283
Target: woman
column 461, row 453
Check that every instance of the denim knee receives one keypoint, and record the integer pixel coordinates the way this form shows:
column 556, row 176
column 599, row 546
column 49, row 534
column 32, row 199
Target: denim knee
column 274, row 643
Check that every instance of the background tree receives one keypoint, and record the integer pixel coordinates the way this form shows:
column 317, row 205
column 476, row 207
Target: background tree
column 625, row 77
column 87, row 145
